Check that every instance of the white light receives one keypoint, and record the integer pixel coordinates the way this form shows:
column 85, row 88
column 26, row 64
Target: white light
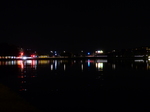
column 101, row 61
column 99, row 51
column 55, row 64
column 113, row 66
column 64, row 67
column 138, row 60
column 99, row 66
column 82, row 67
column 51, row 66
column 24, row 57
column 29, row 61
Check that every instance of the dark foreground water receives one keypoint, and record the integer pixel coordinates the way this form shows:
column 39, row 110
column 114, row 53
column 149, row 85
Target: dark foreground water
column 80, row 85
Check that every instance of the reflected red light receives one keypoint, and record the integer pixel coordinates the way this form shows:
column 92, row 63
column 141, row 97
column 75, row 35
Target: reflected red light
column 33, row 76
column 20, row 76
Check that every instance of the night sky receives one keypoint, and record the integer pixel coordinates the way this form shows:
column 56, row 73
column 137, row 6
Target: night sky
column 75, row 25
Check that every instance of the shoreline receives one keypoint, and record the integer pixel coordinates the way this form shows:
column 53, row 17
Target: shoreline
column 82, row 58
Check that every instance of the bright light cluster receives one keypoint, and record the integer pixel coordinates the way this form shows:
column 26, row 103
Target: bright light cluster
column 99, row 51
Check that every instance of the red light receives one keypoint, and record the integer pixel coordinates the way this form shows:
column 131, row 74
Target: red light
column 32, row 55
column 21, row 53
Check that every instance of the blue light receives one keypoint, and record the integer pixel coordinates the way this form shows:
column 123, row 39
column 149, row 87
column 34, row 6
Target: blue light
column 88, row 53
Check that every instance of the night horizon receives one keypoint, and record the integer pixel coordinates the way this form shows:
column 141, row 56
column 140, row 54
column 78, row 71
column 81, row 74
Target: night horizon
column 72, row 26
column 74, row 56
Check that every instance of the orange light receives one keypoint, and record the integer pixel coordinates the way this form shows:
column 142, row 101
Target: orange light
column 21, row 53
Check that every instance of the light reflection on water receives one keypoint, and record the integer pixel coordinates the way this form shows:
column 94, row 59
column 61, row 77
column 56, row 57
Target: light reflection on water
column 87, row 74
column 56, row 64
column 28, row 68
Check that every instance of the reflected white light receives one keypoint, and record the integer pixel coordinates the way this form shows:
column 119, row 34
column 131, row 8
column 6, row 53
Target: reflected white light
column 29, row 61
column 55, row 64
column 147, row 65
column 82, row 67
column 132, row 65
column 113, row 66
column 64, row 67
column 8, row 62
column 99, row 66
column 102, row 60
column 12, row 63
column 96, row 65
column 139, row 60
column 51, row 66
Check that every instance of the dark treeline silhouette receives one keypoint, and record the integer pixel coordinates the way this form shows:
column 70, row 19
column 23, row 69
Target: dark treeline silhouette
column 8, row 49
column 66, row 54
column 129, row 53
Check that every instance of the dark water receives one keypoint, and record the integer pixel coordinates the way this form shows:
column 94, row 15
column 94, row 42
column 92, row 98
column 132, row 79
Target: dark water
column 80, row 85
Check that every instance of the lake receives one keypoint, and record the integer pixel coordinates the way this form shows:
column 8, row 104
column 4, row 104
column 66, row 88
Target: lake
column 80, row 85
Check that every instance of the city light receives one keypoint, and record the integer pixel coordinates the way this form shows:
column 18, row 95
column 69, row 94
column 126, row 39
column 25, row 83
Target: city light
column 99, row 51
column 24, row 57
column 21, row 53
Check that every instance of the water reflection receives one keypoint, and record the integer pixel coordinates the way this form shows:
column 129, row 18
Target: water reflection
column 64, row 67
column 114, row 66
column 51, row 77
column 139, row 60
column 99, row 64
column 88, row 63
column 82, row 67
column 8, row 62
column 43, row 62
column 55, row 64
column 27, row 70
column 51, row 66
